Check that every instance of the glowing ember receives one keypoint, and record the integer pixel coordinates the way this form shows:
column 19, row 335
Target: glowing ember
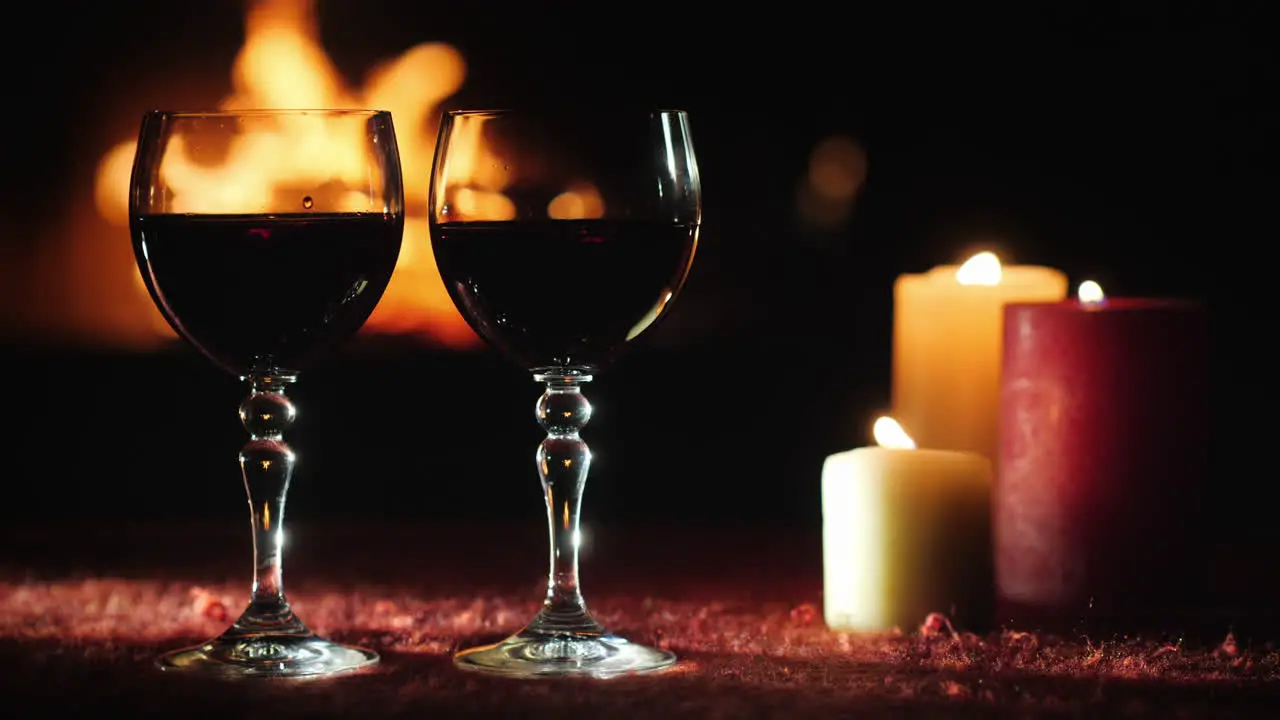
column 283, row 65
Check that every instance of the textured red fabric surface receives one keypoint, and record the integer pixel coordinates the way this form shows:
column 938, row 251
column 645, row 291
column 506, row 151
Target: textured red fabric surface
column 78, row 636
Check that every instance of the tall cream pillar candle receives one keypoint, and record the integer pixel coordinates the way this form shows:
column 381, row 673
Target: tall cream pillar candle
column 947, row 341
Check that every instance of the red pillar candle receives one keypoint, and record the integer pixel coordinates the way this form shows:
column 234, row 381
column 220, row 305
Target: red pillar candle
column 1100, row 506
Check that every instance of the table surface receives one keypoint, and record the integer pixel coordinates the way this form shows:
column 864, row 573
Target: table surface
column 84, row 610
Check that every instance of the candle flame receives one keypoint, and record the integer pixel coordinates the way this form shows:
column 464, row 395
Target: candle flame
column 1090, row 292
column 888, row 433
column 981, row 269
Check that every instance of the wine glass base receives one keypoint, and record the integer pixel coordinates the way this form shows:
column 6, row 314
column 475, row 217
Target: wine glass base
column 535, row 655
column 282, row 656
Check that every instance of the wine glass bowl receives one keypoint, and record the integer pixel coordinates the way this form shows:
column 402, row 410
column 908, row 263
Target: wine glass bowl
column 266, row 264
column 561, row 237
column 266, row 238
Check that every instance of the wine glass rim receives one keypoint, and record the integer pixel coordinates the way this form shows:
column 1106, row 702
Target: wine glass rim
column 540, row 111
column 268, row 112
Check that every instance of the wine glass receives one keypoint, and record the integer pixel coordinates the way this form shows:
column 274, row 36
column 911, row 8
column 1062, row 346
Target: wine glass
column 562, row 236
column 265, row 238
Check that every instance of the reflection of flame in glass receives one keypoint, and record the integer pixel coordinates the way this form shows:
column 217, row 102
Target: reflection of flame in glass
column 580, row 202
column 981, row 269
column 650, row 316
column 282, row 65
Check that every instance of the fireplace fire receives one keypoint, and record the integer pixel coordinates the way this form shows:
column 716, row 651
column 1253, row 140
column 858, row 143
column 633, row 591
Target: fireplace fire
column 85, row 286
column 81, row 284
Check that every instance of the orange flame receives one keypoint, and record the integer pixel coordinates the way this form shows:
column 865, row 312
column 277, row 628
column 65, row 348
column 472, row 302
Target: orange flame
column 888, row 433
column 283, row 65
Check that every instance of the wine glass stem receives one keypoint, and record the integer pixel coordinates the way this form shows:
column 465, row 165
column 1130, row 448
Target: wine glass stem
column 563, row 461
column 267, row 464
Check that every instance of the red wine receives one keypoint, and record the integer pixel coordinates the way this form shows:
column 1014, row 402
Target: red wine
column 563, row 293
column 266, row 292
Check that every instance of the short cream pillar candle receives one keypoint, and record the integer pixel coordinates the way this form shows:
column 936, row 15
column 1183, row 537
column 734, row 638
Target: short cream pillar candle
column 906, row 532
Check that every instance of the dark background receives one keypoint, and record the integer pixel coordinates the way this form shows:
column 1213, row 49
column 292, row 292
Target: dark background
column 1121, row 143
